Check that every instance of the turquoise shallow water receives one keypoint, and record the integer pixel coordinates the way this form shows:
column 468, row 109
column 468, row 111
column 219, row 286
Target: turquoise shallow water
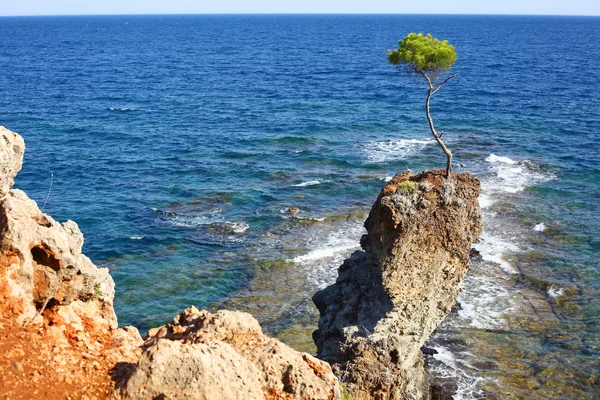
column 178, row 144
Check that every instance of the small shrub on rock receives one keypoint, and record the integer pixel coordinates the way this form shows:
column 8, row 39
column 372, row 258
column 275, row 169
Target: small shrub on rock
column 407, row 187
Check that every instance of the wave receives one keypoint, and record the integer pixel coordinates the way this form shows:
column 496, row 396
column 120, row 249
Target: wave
column 328, row 244
column 188, row 220
column 120, row 109
column 315, row 219
column 324, row 253
column 493, row 249
column 510, row 176
column 450, row 367
column 492, row 158
column 136, row 237
column 394, row 149
column 484, row 201
column 488, row 296
column 485, row 300
column 211, row 221
column 541, row 227
column 296, row 214
column 311, row 183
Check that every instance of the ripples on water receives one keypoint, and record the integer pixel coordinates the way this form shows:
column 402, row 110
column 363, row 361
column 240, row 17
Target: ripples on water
column 180, row 143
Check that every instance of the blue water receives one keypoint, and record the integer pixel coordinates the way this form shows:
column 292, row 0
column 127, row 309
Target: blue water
column 178, row 144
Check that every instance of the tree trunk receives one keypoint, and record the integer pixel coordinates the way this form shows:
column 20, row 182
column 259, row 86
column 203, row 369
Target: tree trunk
column 436, row 136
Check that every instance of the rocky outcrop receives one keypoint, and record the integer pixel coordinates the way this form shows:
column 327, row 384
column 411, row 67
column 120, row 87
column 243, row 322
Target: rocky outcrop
column 59, row 330
column 55, row 305
column 390, row 297
column 46, row 269
column 41, row 264
column 12, row 148
column 225, row 355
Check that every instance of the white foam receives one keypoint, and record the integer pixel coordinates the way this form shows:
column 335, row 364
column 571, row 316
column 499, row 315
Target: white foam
column 121, row 109
column 539, row 227
column 485, row 201
column 324, row 253
column 493, row 249
column 386, row 178
column 316, row 219
column 485, row 300
column 237, row 227
column 492, row 158
column 394, row 149
column 555, row 291
column 192, row 221
column 136, row 237
column 311, row 183
column 510, row 176
column 210, row 218
column 446, row 357
column 329, row 245
column 453, row 368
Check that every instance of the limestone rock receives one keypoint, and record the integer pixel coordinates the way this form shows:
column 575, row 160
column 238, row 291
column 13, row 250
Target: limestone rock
column 213, row 370
column 41, row 264
column 55, row 305
column 48, row 268
column 390, row 297
column 127, row 337
column 227, row 356
column 12, row 148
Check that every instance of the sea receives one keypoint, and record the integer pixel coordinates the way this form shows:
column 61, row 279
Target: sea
column 229, row 161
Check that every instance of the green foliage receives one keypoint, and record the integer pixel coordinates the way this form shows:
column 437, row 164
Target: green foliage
column 423, row 53
column 432, row 59
column 93, row 296
column 345, row 394
column 97, row 290
column 407, row 187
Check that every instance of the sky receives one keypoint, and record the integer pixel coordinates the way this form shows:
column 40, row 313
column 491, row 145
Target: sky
column 95, row 7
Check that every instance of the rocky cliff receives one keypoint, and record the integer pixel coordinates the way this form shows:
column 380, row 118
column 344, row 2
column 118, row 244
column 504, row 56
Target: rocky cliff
column 58, row 326
column 389, row 297
column 59, row 330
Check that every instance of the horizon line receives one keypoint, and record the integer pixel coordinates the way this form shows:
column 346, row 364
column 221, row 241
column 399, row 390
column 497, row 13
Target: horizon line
column 298, row 13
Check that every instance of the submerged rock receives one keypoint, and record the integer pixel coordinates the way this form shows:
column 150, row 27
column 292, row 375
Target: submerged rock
column 389, row 297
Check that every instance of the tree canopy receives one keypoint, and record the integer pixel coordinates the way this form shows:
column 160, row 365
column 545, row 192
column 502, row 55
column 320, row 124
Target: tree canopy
column 431, row 58
column 423, row 54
